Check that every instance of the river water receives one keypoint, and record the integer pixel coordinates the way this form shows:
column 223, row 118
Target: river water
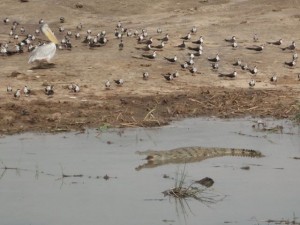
column 34, row 191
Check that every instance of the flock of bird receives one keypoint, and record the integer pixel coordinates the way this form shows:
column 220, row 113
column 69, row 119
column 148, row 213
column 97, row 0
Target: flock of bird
column 41, row 52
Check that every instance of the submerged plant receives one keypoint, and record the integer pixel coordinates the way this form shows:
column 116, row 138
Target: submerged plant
column 182, row 191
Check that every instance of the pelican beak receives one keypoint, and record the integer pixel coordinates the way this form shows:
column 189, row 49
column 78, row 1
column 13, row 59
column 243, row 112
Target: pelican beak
column 49, row 34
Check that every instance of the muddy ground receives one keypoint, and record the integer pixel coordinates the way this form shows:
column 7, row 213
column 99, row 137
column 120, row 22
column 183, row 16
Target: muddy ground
column 154, row 101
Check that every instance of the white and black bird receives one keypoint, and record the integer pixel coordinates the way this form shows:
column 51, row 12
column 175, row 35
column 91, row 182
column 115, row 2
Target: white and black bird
column 150, row 56
column 187, row 37
column 244, row 66
column 6, row 20
column 165, row 38
column 198, row 53
column 290, row 47
column 251, row 83
column 199, row 41
column 119, row 82
column 75, row 88
column 273, row 79
column 257, row 48
column 215, row 66
column 255, row 38
column 61, row 29
column 232, row 39
column 175, row 74
column 121, row 45
column 171, row 59
column 234, row 45
column 26, row 91
column 160, row 46
column 77, row 36
column 191, row 61
column 279, row 42
column 291, row 64
column 9, row 89
column 238, row 62
column 168, row 76
column 229, row 75
column 107, row 85
column 193, row 70
column 145, row 75
column 182, row 45
column 22, row 29
column 194, row 30
column 215, row 59
column 49, row 90
column 184, row 65
column 119, row 24
column 159, row 30
column 17, row 94
column 295, row 56
column 254, row 71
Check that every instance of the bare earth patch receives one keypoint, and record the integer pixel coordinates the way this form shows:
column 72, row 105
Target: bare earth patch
column 152, row 102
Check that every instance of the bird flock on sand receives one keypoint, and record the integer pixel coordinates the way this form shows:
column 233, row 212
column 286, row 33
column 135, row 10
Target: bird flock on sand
column 41, row 53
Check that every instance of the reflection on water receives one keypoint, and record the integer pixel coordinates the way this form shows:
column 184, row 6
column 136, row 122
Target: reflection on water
column 90, row 178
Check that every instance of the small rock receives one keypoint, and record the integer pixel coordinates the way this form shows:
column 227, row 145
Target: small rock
column 207, row 182
column 245, row 167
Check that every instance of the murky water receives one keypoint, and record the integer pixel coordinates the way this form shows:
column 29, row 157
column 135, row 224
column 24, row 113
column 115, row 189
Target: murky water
column 32, row 190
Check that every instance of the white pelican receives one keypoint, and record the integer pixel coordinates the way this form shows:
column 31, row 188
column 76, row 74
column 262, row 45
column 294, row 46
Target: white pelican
column 47, row 51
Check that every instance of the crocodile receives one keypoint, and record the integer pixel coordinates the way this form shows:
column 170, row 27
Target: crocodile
column 191, row 154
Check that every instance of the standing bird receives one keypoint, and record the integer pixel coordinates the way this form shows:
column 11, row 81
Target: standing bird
column 145, row 75
column 9, row 89
column 273, row 79
column 255, row 38
column 215, row 66
column 295, row 56
column 254, row 70
column 168, row 76
column 119, row 82
column 26, row 91
column 121, row 45
column 75, row 88
column 193, row 70
column 234, row 45
column 194, row 30
column 49, row 90
column 107, row 85
column 17, row 94
column 252, row 83
column 47, row 51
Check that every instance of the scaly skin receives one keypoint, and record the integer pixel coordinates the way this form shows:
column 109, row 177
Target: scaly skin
column 192, row 154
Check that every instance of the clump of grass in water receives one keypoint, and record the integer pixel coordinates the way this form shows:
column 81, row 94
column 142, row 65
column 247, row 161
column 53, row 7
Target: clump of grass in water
column 297, row 117
column 104, row 127
column 181, row 191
